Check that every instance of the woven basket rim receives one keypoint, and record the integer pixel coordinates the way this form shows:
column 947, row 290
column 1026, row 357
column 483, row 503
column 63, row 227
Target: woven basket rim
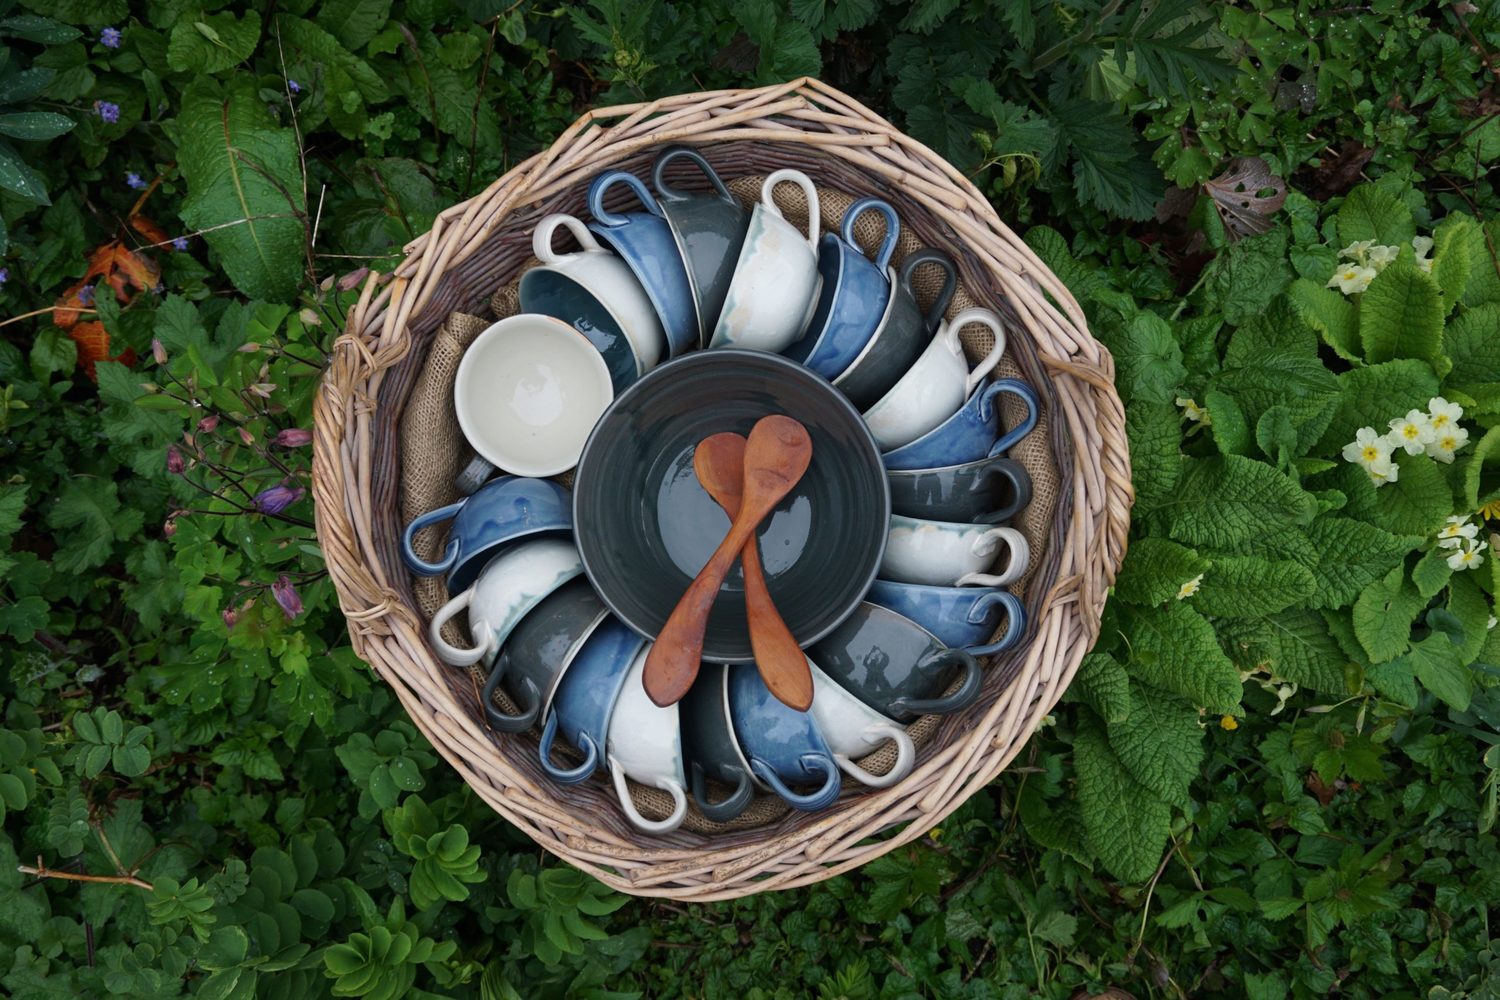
column 353, row 499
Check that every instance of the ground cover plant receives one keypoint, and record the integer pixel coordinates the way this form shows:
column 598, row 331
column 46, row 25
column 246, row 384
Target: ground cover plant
column 1275, row 775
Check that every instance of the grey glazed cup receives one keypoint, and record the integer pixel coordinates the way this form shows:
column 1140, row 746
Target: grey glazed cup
column 539, row 650
column 903, row 335
column 709, row 230
column 988, row 491
column 712, row 752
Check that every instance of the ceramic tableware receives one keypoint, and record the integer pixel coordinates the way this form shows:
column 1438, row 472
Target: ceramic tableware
column 511, row 584
column 853, row 297
column 952, row 553
column 594, row 292
column 970, row 434
column 527, row 392
column 645, row 745
column 937, row 384
column 711, row 750
column 645, row 526
column 775, row 285
column 782, row 745
column 962, row 617
column 708, row 228
column 586, row 697
column 643, row 240
column 987, row 491
column 903, row 334
column 896, row 666
column 539, row 652
column 853, row 730
column 502, row 511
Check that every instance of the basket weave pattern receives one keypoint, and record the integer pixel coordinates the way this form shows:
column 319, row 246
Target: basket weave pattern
column 482, row 245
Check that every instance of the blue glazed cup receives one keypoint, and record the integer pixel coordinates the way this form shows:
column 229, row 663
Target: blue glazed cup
column 904, row 332
column 782, row 745
column 962, row 617
column 855, row 295
column 644, row 241
column 988, row 491
column 709, row 230
column 586, row 698
column 970, row 434
column 500, row 512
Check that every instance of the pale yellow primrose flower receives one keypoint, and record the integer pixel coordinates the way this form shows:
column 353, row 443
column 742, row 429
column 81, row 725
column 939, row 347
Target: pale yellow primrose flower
column 1456, row 531
column 1381, row 256
column 1197, row 414
column 1190, row 588
column 1422, row 245
column 1383, row 471
column 1490, row 511
column 1470, row 556
column 1352, row 278
column 1367, row 448
column 1412, row 432
column 1443, row 413
column 1357, row 250
column 1445, row 443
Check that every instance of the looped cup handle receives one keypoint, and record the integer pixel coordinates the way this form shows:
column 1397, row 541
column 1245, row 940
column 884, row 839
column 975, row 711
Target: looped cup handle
column 1020, row 481
column 906, row 755
column 541, row 240
column 1015, row 623
column 511, row 723
column 727, row 809
column 962, row 697
column 609, row 179
column 984, row 317
column 452, row 655
column 672, row 788
column 567, row 776
column 892, row 228
column 797, row 177
column 1015, row 567
column 416, row 563
column 931, row 255
column 1026, row 394
column 659, row 173
column 812, row 802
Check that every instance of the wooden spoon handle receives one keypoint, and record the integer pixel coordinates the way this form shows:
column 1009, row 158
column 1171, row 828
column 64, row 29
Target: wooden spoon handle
column 782, row 664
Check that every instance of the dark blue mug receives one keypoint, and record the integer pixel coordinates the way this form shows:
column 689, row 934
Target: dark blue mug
column 961, row 617
column 710, row 750
column 586, row 698
column 971, row 433
column 988, row 491
column 644, row 241
column 500, row 512
column 782, row 745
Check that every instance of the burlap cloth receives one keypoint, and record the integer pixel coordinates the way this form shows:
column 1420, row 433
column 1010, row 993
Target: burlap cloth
column 434, row 452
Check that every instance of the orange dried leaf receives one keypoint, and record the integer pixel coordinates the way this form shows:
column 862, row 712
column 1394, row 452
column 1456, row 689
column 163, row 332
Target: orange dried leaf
column 153, row 233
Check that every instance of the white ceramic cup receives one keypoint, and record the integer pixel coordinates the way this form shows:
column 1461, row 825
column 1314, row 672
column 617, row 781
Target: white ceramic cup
column 645, row 745
column 853, row 729
column 951, row 553
column 528, row 393
column 936, row 384
column 510, row 585
column 775, row 287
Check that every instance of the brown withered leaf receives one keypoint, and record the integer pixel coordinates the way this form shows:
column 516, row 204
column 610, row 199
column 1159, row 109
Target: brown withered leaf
column 93, row 346
column 1335, row 175
column 153, row 233
column 1246, row 196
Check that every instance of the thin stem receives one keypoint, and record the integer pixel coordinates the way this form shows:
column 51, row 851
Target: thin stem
column 42, row 871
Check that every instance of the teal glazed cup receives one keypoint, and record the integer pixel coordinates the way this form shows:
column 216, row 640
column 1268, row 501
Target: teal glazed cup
column 904, row 332
column 709, row 230
column 971, row 434
column 504, row 510
column 782, row 745
column 538, row 653
column 988, row 491
column 711, row 750
column 962, row 617
column 644, row 241
column 586, row 697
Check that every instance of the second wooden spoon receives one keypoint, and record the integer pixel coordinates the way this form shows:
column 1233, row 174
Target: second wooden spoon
column 719, row 461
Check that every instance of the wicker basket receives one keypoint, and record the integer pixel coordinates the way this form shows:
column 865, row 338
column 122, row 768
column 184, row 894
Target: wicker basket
column 481, row 245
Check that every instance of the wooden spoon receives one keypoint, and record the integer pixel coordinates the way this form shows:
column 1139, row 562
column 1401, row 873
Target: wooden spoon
column 720, row 463
column 777, row 454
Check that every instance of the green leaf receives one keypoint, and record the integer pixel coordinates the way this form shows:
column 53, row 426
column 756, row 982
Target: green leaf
column 91, row 509
column 1294, row 645
column 212, row 43
column 1329, row 313
column 1155, row 569
column 1126, row 824
column 1484, row 276
column 1251, row 587
column 24, row 618
column 1147, row 358
column 1243, row 279
column 1415, row 504
column 1230, row 429
column 1155, row 434
column 1174, row 648
column 1471, row 607
column 1110, row 170
column 353, row 22
column 1401, row 315
column 1435, row 662
column 242, row 174
column 1301, row 386
column 1451, row 263
column 323, row 48
column 1369, row 213
column 1370, row 397
column 1384, row 613
column 1351, row 556
column 1474, row 349
column 1102, row 684
column 1431, row 573
column 12, row 502
column 34, row 125
column 1485, row 455
column 17, row 177
column 1160, row 743
column 1219, row 502
column 35, row 28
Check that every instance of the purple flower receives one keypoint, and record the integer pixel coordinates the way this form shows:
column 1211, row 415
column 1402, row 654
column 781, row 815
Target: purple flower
column 286, row 595
column 293, row 437
column 278, row 498
column 179, row 243
column 293, row 86
column 208, row 423
column 134, row 182
column 86, row 295
column 107, row 110
column 4, row 275
column 230, row 617
column 175, row 464
column 110, row 38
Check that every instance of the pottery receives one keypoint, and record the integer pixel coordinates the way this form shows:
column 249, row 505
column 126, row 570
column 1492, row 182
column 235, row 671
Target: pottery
column 511, row 584
column 585, row 699
column 853, row 730
column 539, row 652
column 711, row 750
column 594, row 292
column 782, row 745
column 896, row 666
column 937, row 384
column 952, row 553
column 903, row 334
column 962, row 617
column 643, row 240
column 645, row 526
column 987, row 491
column 502, row 511
column 970, row 434
column 645, row 745
column 527, row 393
column 775, row 284
column 708, row 230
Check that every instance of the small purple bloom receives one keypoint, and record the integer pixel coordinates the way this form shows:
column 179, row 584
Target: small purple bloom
column 134, row 182
column 107, row 110
column 4, row 275
column 208, row 423
column 278, row 498
column 293, row 437
column 286, row 595
column 86, row 295
column 180, row 243
column 293, row 86
column 230, row 617
column 110, row 38
column 175, row 464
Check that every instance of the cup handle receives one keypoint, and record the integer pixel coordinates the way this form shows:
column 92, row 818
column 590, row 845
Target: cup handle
column 609, row 179
column 804, row 182
column 931, row 255
column 984, row 317
column 961, row 698
column 475, row 475
column 811, row 802
column 416, row 563
column 452, row 655
column 659, row 170
column 1015, row 622
column 541, row 240
column 726, row 810
column 906, row 755
column 1020, row 481
column 1022, row 391
column 986, row 545
column 672, row 788
column 892, row 228
column 498, row 719
column 570, row 776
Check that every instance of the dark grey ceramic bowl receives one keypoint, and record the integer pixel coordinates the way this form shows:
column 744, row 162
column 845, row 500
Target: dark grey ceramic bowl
column 645, row 527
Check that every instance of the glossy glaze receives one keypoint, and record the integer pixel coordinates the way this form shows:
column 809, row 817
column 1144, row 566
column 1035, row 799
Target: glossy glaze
column 539, row 651
column 853, row 730
column 775, row 284
column 937, row 384
column 511, row 584
column 970, row 434
column 904, row 333
column 708, row 230
column 645, row 744
column 953, row 553
column 710, row 748
column 853, row 297
column 962, row 617
column 782, row 745
column 988, row 491
column 896, row 666
column 586, row 698
column 500, row 512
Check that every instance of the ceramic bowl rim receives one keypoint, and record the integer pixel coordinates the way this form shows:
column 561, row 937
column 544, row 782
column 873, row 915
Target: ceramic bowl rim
column 559, row 270
column 936, row 468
